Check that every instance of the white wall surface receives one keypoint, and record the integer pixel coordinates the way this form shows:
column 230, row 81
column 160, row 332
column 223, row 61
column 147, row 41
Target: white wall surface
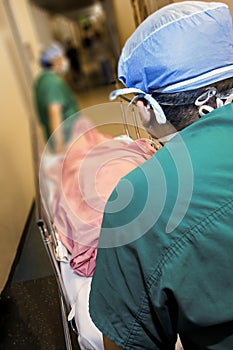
column 25, row 24
column 41, row 21
column 124, row 19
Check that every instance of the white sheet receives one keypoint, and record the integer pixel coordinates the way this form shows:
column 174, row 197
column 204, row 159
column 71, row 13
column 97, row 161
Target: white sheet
column 78, row 290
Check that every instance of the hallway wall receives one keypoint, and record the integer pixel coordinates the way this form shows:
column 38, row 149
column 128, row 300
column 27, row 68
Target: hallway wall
column 124, row 19
column 21, row 11
column 16, row 175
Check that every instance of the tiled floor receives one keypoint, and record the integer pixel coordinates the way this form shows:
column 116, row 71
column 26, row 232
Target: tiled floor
column 30, row 315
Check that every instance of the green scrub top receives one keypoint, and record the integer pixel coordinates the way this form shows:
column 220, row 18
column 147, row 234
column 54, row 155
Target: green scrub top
column 165, row 256
column 50, row 88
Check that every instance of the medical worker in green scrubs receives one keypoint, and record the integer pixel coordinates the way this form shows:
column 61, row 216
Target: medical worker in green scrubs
column 165, row 257
column 54, row 100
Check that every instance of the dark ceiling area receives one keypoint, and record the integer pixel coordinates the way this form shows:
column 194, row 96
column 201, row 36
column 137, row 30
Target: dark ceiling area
column 63, row 6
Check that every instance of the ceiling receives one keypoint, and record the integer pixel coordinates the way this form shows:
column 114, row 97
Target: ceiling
column 63, row 6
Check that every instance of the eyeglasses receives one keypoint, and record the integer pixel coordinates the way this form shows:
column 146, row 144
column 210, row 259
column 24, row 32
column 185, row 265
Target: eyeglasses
column 132, row 114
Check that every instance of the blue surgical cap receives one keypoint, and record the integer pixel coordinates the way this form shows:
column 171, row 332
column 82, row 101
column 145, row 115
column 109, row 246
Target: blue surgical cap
column 52, row 51
column 182, row 46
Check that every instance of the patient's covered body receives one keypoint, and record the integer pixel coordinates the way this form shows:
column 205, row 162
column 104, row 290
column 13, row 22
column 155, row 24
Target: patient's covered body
column 83, row 179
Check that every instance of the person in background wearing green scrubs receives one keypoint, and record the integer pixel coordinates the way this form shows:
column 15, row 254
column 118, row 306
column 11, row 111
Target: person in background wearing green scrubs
column 54, row 100
column 165, row 254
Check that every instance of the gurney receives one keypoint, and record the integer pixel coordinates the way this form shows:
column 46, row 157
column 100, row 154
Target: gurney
column 105, row 142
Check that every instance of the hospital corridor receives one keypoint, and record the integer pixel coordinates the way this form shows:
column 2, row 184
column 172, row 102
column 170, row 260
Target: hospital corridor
column 78, row 149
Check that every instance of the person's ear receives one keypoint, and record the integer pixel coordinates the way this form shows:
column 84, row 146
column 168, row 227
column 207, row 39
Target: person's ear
column 147, row 118
column 150, row 124
column 144, row 113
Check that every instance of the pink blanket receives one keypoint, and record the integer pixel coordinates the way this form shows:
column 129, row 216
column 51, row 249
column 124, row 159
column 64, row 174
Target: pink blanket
column 84, row 179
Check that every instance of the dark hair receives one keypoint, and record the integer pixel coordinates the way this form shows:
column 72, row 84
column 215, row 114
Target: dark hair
column 45, row 64
column 180, row 108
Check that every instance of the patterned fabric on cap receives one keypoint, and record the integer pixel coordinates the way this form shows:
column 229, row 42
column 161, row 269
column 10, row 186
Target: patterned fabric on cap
column 182, row 46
